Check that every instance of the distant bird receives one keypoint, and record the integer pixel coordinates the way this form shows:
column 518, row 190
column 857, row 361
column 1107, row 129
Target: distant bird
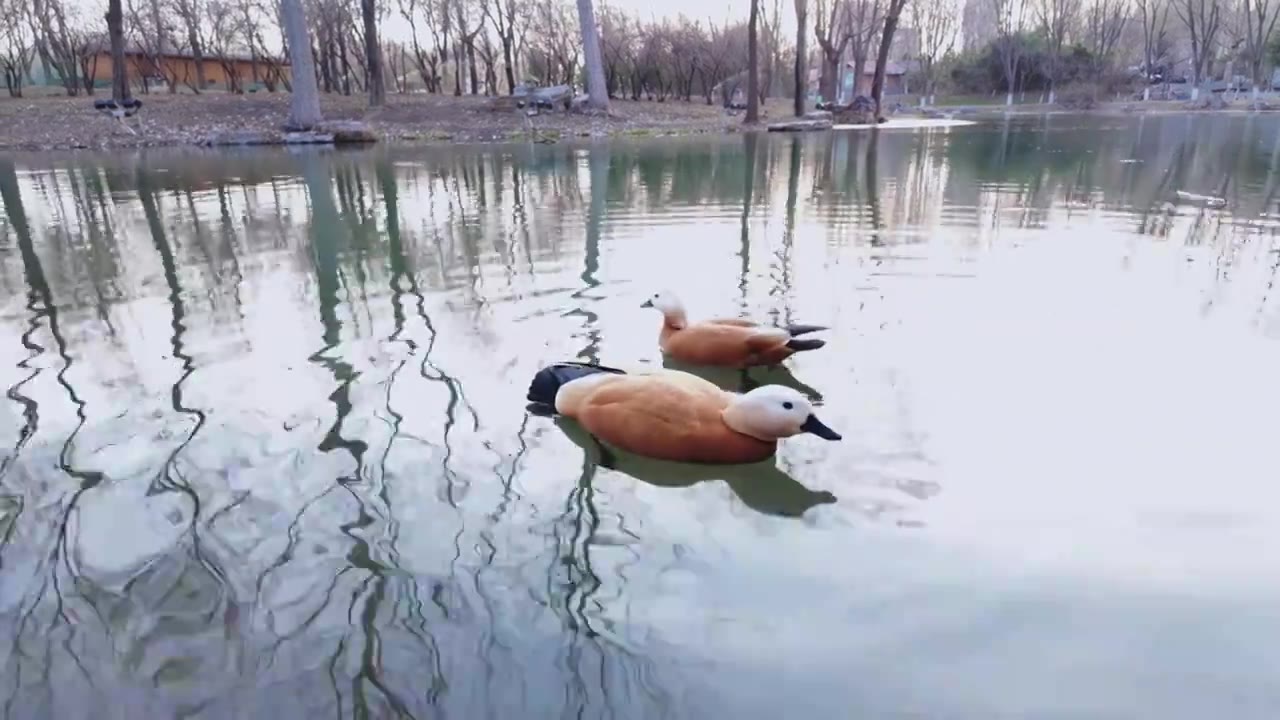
column 671, row 415
column 728, row 342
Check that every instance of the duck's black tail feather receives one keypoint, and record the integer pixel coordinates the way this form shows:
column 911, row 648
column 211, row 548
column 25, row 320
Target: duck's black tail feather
column 803, row 345
column 548, row 381
column 798, row 330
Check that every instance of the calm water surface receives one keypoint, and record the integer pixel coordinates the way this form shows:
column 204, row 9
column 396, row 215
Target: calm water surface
column 266, row 451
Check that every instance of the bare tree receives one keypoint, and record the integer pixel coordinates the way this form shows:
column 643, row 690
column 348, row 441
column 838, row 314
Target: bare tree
column 85, row 46
column 395, row 62
column 268, row 63
column 935, row 21
column 422, row 13
column 597, row 91
column 464, row 48
column 1203, row 19
column 1010, row 22
column 1260, row 25
column 831, row 29
column 1154, row 15
column 115, row 30
column 1104, row 24
column 556, row 50
column 1057, row 18
column 802, row 63
column 866, row 21
column 657, row 60
column 223, row 33
column 488, row 53
column 17, row 44
column 62, row 42
column 771, row 34
column 304, row 104
column 192, row 12
column 617, row 45
column 753, row 64
column 147, row 25
column 882, row 58
column 373, row 55
column 505, row 16
column 714, row 59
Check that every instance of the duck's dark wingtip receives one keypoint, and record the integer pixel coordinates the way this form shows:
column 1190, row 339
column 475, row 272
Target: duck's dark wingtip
column 797, row 330
column 799, row 345
column 548, row 381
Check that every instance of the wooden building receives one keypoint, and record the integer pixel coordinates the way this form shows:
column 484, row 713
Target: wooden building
column 235, row 73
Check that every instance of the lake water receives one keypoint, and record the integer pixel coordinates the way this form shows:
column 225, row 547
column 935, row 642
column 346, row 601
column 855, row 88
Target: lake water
column 266, row 449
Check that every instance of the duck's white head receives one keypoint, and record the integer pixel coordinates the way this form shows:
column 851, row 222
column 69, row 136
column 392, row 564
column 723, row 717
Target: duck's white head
column 672, row 309
column 773, row 412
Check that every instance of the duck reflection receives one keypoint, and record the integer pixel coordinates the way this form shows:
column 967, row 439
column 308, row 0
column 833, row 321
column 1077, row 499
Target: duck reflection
column 741, row 381
column 761, row 486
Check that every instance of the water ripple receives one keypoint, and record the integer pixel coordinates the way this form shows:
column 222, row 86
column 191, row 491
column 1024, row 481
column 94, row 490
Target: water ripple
column 268, row 451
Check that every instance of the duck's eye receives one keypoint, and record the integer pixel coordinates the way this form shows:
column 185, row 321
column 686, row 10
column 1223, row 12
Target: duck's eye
column 787, row 405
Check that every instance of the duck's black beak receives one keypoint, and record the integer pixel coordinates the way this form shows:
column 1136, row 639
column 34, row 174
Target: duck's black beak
column 814, row 425
column 646, row 304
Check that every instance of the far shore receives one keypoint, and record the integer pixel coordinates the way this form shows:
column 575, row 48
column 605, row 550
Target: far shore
column 63, row 123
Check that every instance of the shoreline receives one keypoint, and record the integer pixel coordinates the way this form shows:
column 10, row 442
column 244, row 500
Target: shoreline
column 70, row 124
column 219, row 119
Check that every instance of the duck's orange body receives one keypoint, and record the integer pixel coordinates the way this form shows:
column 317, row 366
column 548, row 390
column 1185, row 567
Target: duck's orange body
column 734, row 342
column 668, row 415
column 726, row 343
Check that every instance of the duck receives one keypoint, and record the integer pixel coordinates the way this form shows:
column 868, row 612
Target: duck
column 762, row 487
column 672, row 415
column 730, row 342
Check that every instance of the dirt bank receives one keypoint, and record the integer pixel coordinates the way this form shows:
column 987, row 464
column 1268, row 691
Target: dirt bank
column 47, row 123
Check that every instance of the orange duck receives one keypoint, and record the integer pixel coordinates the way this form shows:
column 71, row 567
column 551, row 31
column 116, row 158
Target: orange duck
column 671, row 415
column 727, row 342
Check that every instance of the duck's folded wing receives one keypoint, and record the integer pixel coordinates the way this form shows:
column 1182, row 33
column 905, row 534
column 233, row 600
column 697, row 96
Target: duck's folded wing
column 734, row 322
column 763, row 339
column 648, row 416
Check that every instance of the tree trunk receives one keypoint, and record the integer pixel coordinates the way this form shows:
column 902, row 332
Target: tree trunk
column 325, row 76
column 304, row 105
column 753, row 64
column 197, row 54
column 827, row 80
column 344, row 66
column 510, row 66
column 802, row 12
column 373, row 55
column 457, row 69
column 119, row 72
column 597, row 91
column 882, row 58
column 471, row 66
